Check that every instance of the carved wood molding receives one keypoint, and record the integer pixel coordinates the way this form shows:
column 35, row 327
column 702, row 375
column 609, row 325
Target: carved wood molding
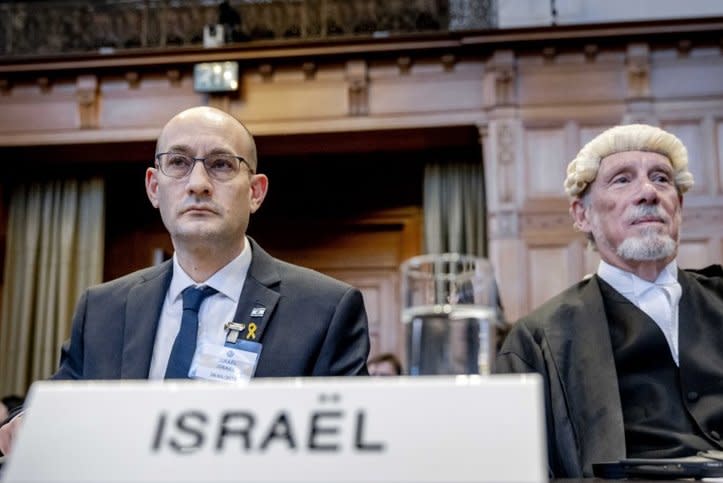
column 561, row 38
column 87, row 96
column 546, row 222
column 506, row 179
column 501, row 73
column 266, row 71
column 638, row 64
column 309, row 69
column 357, row 75
column 448, row 62
column 133, row 78
column 504, row 225
column 405, row 64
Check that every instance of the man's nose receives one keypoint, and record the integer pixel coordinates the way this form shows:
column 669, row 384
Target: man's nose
column 198, row 179
column 648, row 192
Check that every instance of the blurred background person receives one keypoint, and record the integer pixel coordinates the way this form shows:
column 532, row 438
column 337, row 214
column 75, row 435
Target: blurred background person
column 7, row 404
column 386, row 364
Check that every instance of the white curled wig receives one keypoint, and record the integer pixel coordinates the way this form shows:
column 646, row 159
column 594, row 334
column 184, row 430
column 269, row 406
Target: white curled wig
column 632, row 137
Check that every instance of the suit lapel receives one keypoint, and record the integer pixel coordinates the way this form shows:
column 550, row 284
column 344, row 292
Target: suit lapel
column 143, row 309
column 258, row 300
column 589, row 378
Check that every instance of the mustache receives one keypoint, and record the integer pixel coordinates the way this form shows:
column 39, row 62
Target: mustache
column 646, row 213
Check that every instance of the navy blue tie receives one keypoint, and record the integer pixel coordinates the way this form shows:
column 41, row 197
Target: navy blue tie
column 179, row 363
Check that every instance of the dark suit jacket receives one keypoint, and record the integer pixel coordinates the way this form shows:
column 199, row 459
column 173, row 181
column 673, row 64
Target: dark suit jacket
column 567, row 341
column 313, row 325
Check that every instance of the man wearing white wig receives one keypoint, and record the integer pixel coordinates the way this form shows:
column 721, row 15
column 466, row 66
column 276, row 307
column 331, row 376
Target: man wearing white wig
column 632, row 357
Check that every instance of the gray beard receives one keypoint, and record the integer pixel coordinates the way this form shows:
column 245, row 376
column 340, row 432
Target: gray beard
column 648, row 247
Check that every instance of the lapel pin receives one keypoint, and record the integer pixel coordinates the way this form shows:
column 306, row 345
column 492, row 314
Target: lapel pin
column 251, row 334
column 258, row 311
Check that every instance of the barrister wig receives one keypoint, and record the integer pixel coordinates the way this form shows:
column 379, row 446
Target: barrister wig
column 632, row 137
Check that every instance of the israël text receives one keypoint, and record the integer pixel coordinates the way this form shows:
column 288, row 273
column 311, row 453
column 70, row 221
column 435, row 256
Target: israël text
column 319, row 431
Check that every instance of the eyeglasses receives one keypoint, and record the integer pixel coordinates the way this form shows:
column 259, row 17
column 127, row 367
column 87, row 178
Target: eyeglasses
column 221, row 166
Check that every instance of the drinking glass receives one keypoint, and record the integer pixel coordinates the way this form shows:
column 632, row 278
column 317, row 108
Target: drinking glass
column 450, row 314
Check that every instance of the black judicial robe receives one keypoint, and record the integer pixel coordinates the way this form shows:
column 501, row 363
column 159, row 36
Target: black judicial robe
column 567, row 341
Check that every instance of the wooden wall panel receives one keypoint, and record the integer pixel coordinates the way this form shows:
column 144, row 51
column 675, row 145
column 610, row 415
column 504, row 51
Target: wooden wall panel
column 282, row 99
column 380, row 289
column 545, row 161
column 548, row 82
column 694, row 74
column 425, row 90
column 4, row 196
column 126, row 104
column 512, row 272
column 654, row 89
column 697, row 253
column 29, row 108
column 587, row 134
column 549, row 272
column 534, row 98
column 700, row 165
column 718, row 137
column 330, row 248
column 366, row 255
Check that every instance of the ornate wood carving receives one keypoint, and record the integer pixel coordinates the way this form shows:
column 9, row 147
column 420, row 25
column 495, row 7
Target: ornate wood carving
column 504, row 225
column 309, row 69
column 684, row 46
column 548, row 54
column 638, row 58
column 501, row 71
column 174, row 76
column 448, row 61
column 506, row 163
column 591, row 51
column 87, row 97
column 133, row 79
column 358, row 80
column 405, row 64
column 546, row 222
column 501, row 84
column 44, row 84
column 266, row 71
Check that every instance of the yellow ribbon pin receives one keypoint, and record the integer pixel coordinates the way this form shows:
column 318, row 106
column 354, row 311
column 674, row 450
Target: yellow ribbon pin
column 251, row 333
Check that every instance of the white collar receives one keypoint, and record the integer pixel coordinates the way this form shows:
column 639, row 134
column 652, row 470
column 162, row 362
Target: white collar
column 632, row 286
column 225, row 280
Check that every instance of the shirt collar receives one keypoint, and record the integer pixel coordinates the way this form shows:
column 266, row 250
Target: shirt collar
column 225, row 280
column 632, row 286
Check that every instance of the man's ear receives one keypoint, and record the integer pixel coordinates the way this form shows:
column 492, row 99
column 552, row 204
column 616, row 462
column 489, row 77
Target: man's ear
column 152, row 186
column 258, row 187
column 580, row 215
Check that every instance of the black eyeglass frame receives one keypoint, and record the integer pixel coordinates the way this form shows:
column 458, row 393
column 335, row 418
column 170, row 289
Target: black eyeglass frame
column 203, row 161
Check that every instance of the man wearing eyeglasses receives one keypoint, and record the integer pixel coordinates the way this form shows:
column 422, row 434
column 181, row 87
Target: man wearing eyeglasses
column 222, row 309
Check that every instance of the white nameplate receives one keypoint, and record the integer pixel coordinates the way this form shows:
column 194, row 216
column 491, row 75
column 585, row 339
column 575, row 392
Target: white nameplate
column 439, row 429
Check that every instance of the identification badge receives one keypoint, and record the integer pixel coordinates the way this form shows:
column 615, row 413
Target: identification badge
column 231, row 363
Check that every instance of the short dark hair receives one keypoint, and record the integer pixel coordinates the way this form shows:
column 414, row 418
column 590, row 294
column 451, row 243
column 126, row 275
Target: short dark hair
column 12, row 401
column 387, row 357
